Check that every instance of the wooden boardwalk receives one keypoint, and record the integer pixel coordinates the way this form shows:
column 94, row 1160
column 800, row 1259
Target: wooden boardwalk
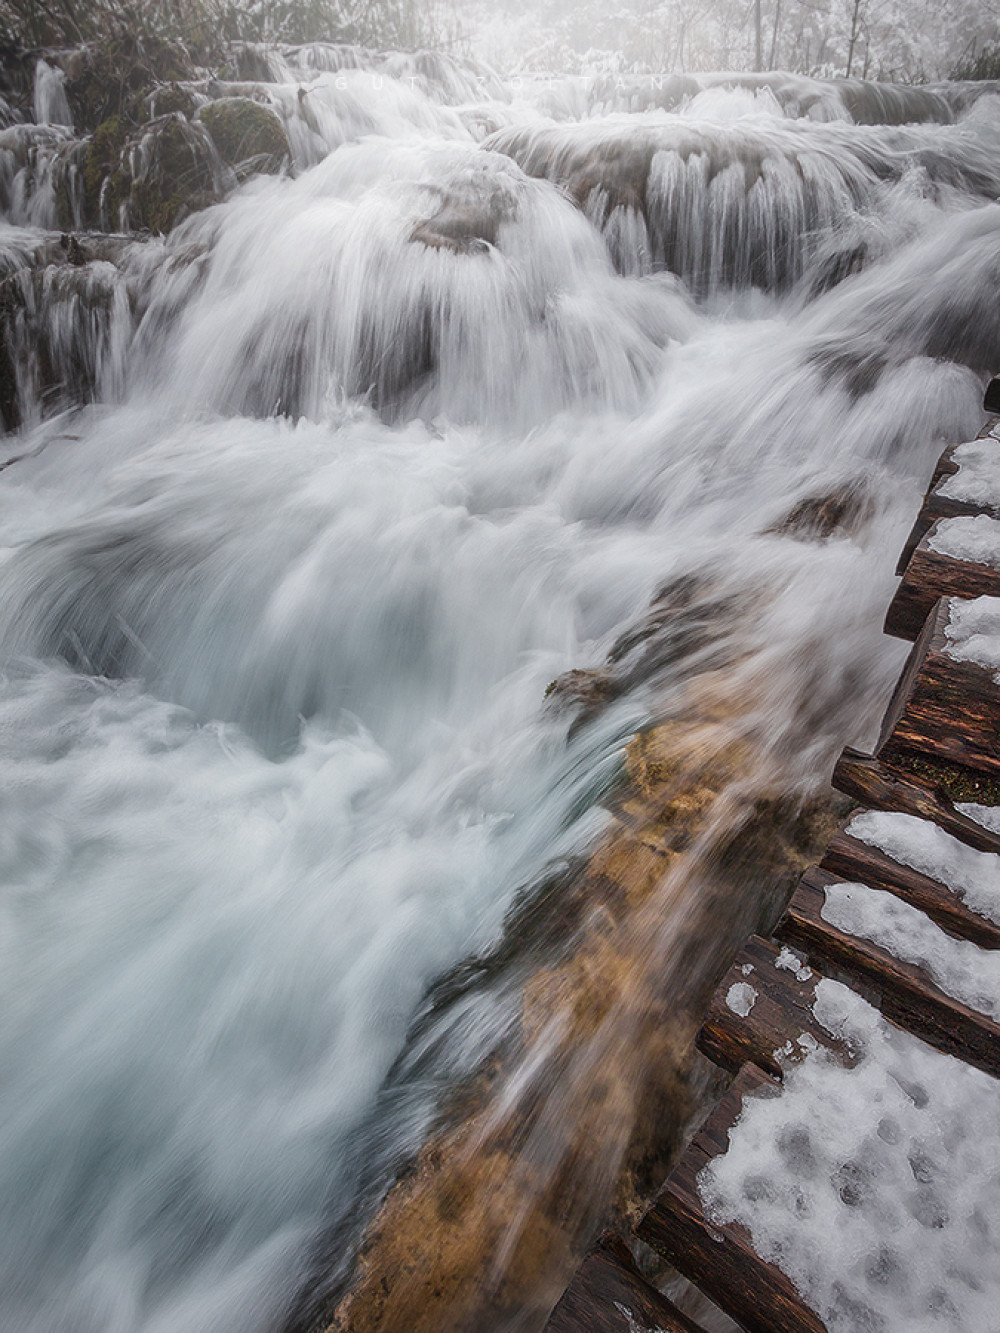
column 937, row 760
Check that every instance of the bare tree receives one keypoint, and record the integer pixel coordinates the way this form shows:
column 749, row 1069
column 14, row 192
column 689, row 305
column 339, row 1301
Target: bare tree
column 857, row 20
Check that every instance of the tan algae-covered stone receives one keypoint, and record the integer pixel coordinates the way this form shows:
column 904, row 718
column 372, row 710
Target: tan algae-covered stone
column 579, row 1121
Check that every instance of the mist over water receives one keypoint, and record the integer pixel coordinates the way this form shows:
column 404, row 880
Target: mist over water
column 325, row 489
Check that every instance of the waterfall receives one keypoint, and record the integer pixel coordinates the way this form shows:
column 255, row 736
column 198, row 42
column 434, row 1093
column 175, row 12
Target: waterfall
column 306, row 505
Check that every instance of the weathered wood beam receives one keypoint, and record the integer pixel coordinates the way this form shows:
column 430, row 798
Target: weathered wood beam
column 904, row 992
column 760, row 1011
column 929, row 575
column 943, row 707
column 936, row 505
column 610, row 1295
column 720, row 1259
column 852, row 859
column 923, row 792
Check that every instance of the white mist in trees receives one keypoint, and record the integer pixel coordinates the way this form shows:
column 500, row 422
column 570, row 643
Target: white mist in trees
column 903, row 40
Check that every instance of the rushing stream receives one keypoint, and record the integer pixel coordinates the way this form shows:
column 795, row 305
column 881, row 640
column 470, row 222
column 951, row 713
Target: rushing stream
column 307, row 505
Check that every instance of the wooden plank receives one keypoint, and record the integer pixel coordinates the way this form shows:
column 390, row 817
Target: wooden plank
column 904, row 992
column 852, row 859
column 609, row 1295
column 922, row 791
column 721, row 1259
column 943, row 707
column 935, row 506
column 930, row 575
column 780, row 1013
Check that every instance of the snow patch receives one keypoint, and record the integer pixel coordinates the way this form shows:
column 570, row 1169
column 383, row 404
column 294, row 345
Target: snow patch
column 977, row 480
column 986, row 815
column 975, row 538
column 875, row 1187
column 973, row 876
column 741, row 998
column 961, row 969
column 789, row 961
column 973, row 632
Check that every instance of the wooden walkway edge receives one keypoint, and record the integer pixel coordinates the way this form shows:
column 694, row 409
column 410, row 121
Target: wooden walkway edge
column 938, row 751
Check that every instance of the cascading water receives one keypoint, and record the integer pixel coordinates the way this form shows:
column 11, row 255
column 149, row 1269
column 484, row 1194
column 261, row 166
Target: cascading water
column 306, row 505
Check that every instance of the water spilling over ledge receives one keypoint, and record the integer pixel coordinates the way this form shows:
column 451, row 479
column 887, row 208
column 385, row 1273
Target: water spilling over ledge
column 351, row 971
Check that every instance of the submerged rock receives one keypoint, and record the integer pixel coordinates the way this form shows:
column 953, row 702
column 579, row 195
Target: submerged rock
column 841, row 512
column 469, row 217
column 248, row 135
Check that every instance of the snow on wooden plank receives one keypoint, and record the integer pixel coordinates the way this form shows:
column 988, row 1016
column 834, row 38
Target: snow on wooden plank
column 957, row 557
column 904, row 992
column 875, row 1186
column 966, row 481
column 762, row 1013
column 721, row 1259
column 947, row 703
column 916, row 789
column 852, row 858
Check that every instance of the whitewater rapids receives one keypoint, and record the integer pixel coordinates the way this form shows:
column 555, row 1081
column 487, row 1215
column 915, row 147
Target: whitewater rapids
column 325, row 489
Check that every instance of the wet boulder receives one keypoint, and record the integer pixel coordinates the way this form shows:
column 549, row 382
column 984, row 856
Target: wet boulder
column 150, row 178
column 66, row 311
column 114, row 78
column 168, row 169
column 101, row 163
column 248, row 135
column 168, row 97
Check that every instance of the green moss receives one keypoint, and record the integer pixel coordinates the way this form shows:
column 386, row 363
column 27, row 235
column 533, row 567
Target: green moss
column 117, row 76
column 101, row 161
column 957, row 783
column 249, row 136
column 171, row 97
column 178, row 178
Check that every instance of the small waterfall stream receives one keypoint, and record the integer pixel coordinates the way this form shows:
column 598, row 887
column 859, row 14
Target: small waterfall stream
column 304, row 506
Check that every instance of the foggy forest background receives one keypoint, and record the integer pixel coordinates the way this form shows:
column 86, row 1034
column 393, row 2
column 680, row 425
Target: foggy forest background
column 909, row 41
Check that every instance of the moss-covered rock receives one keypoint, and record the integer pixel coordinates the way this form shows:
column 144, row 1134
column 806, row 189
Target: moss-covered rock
column 102, row 163
column 147, row 179
column 115, row 78
column 169, row 171
column 249, row 136
column 169, row 97
column 68, row 171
